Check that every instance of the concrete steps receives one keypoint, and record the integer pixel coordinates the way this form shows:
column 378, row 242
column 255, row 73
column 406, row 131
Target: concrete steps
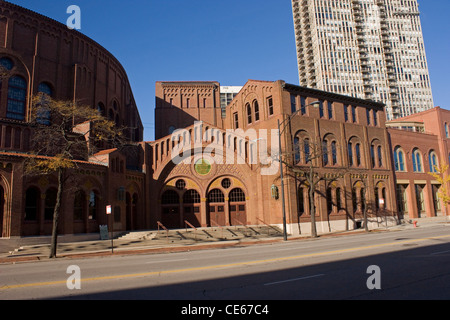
column 205, row 234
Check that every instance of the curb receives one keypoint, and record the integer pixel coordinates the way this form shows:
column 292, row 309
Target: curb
column 186, row 248
column 174, row 249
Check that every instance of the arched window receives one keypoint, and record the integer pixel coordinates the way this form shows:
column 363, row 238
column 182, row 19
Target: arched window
column 329, row 197
column 321, row 111
column 180, row 184
column 446, row 130
column 329, row 151
column 45, row 88
column 334, row 201
column 191, row 197
column 6, row 63
column 338, row 199
column 302, row 200
column 433, row 161
column 216, row 196
column 350, row 153
column 170, row 197
column 333, row 153
column 237, row 195
column 256, row 107
column 417, row 161
column 372, row 155
column 111, row 115
column 43, row 112
column 307, row 150
column 101, row 109
column 79, row 205
column 354, row 152
column 380, row 156
column 93, row 205
column 325, row 152
column 358, row 154
column 358, row 197
column 32, row 196
column 50, row 203
column 17, row 95
column 399, row 160
column 301, row 148
column 249, row 113
column 297, row 150
column 362, row 193
column 330, row 110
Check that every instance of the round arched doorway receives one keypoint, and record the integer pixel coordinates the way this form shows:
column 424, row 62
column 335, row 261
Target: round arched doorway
column 237, row 205
column 216, row 207
column 191, row 208
column 170, row 205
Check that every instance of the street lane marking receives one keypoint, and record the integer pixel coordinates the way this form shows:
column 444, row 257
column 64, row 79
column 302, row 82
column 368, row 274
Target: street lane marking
column 436, row 253
column 237, row 264
column 293, row 280
column 165, row 261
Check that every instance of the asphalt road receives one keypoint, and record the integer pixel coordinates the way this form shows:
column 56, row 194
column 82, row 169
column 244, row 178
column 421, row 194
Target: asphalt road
column 405, row 265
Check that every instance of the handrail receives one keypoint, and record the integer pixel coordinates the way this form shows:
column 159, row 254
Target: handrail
column 267, row 225
column 240, row 223
column 214, row 222
column 162, row 226
column 187, row 223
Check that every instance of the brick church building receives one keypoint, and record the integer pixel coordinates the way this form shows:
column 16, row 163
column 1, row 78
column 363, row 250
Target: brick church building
column 354, row 165
column 209, row 165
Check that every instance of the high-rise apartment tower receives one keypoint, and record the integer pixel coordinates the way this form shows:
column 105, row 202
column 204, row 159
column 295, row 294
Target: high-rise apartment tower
column 370, row 49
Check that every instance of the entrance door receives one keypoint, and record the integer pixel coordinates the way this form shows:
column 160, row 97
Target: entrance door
column 170, row 209
column 191, row 208
column 238, row 214
column 216, row 205
column 238, row 208
column 217, row 214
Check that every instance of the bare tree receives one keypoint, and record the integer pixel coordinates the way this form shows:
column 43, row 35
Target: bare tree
column 65, row 132
column 308, row 161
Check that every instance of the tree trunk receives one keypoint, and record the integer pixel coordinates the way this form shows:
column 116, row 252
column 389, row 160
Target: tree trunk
column 366, row 220
column 312, row 210
column 56, row 214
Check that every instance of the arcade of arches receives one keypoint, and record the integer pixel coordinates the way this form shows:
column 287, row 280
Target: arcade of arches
column 224, row 203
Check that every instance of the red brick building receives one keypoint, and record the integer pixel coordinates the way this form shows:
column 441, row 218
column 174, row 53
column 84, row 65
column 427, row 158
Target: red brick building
column 356, row 168
column 42, row 55
column 419, row 143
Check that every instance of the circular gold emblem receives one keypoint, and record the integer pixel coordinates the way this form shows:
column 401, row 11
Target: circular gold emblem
column 202, row 167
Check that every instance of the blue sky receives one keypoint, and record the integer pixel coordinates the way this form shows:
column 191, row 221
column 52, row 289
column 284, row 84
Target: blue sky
column 227, row 41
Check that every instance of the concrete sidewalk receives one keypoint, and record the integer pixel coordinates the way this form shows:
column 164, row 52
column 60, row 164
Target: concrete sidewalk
column 38, row 248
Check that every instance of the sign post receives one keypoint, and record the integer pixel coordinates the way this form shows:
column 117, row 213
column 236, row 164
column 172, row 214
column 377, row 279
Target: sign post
column 382, row 206
column 109, row 214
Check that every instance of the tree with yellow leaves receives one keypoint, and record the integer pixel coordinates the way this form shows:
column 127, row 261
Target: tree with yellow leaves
column 64, row 132
column 440, row 174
